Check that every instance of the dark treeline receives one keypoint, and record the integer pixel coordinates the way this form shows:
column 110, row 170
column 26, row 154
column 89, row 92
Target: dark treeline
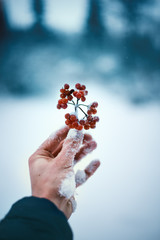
column 26, row 69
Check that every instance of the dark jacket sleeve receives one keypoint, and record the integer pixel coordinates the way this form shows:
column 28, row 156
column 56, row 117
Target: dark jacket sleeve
column 35, row 218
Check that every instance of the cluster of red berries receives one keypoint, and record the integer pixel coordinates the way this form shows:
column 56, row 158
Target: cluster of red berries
column 90, row 122
column 72, row 121
column 92, row 108
column 81, row 93
column 67, row 96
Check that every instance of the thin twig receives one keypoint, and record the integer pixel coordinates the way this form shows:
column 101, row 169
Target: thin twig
column 76, row 105
column 83, row 105
column 71, row 103
column 83, row 111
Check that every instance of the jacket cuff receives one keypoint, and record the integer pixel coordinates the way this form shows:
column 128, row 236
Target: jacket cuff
column 43, row 211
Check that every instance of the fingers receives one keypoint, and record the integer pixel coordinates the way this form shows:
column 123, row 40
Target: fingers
column 83, row 175
column 87, row 138
column 58, row 149
column 70, row 147
column 54, row 140
column 87, row 148
column 68, row 186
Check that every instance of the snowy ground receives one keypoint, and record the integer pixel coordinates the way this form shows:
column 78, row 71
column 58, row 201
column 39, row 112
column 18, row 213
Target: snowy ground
column 122, row 200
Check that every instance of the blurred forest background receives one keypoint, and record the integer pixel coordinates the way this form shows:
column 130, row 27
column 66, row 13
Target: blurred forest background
column 116, row 43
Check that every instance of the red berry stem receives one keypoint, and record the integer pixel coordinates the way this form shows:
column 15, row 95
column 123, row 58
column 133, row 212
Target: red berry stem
column 76, row 105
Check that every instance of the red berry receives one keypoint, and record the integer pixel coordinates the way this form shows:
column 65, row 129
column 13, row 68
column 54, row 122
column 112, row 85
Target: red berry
column 86, row 92
column 86, row 122
column 78, row 95
column 96, row 119
column 89, row 118
column 64, row 105
column 62, row 95
column 60, row 101
column 94, row 104
column 89, row 112
column 80, row 127
column 75, row 93
column 58, row 106
column 94, row 111
column 73, row 118
column 74, row 124
column 83, row 99
column 67, row 115
column 67, row 92
column 86, row 126
column 92, row 126
column 66, row 86
column 67, row 122
column 64, row 100
column 78, row 86
column 82, row 92
column 83, row 87
column 70, row 97
column 62, row 90
column 82, row 122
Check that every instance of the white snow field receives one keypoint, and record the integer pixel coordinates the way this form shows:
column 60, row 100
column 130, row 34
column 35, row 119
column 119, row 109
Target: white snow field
column 121, row 201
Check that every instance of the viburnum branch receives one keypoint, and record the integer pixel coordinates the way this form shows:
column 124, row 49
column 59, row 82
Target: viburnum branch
column 66, row 97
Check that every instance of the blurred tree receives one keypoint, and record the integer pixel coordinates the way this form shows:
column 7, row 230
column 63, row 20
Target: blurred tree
column 38, row 9
column 132, row 10
column 139, row 54
column 3, row 21
column 95, row 27
column 139, row 46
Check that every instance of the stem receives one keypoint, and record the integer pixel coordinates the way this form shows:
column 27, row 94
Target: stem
column 83, row 105
column 83, row 111
column 71, row 103
column 76, row 105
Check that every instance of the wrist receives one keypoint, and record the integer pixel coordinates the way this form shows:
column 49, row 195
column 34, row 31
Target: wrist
column 63, row 204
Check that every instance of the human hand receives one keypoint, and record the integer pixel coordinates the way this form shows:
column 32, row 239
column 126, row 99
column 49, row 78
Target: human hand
column 51, row 167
